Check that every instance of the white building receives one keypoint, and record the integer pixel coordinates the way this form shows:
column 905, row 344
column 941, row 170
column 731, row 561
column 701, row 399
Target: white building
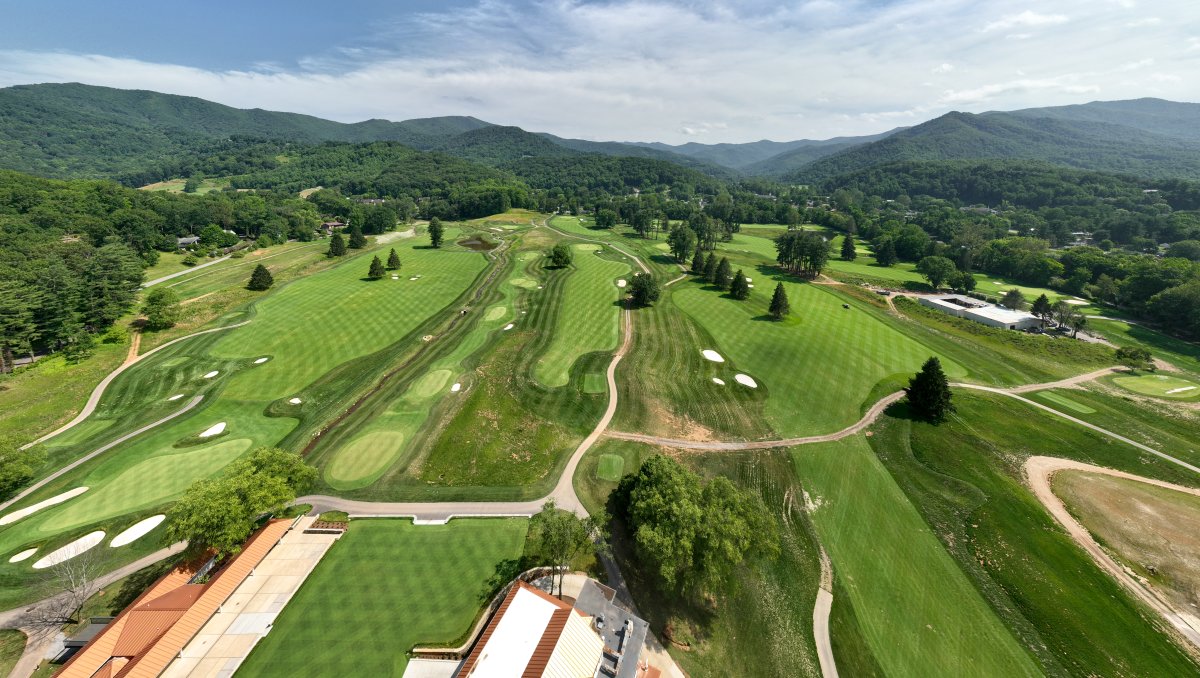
column 982, row 312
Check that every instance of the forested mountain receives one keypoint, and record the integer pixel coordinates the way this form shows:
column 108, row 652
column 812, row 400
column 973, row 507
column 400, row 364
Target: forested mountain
column 767, row 158
column 1157, row 116
column 620, row 149
column 499, row 144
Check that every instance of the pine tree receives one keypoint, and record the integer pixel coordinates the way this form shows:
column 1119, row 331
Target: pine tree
column 710, row 267
column 393, row 263
column 698, row 263
column 357, row 239
column 929, row 392
column 261, row 279
column 435, row 232
column 738, row 287
column 376, row 271
column 723, row 275
column 779, row 303
column 1042, row 308
column 337, row 246
column 849, row 251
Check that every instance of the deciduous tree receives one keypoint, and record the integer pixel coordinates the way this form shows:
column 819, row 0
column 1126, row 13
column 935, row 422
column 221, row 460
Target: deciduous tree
column 936, row 270
column 682, row 241
column 1013, row 299
column 161, row 308
column 560, row 255
column 556, row 537
column 1134, row 357
column 643, row 290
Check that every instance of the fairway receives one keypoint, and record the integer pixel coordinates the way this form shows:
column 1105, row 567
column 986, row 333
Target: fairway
column 1160, row 386
column 818, row 367
column 385, row 587
column 588, row 315
column 1063, row 401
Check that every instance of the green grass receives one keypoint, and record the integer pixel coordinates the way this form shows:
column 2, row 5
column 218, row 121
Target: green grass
column 589, row 318
column 1063, row 401
column 12, row 646
column 594, row 382
column 917, row 613
column 1159, row 386
column 610, row 467
column 965, row 477
column 1182, row 354
column 385, row 587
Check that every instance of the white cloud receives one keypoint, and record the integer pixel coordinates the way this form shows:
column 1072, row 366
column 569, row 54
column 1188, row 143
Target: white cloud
column 1028, row 18
column 1147, row 21
column 943, row 68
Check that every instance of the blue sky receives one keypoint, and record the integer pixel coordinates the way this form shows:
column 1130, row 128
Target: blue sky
column 668, row 70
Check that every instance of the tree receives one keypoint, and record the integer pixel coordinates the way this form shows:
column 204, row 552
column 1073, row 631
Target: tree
column 436, row 232
column 393, row 262
column 560, row 255
column 606, row 218
column 376, row 271
column 1042, row 308
column 1134, row 357
column 1013, row 299
column 738, row 287
column 710, row 267
column 261, row 279
column 556, row 537
column 357, row 239
column 962, row 282
column 885, row 252
column 802, row 252
column 161, row 308
column 698, row 263
column 780, row 307
column 929, row 392
column 192, row 184
column 644, row 290
column 219, row 514
column 337, row 246
column 723, row 275
column 17, row 466
column 189, row 260
column 1077, row 321
column 682, row 240
column 936, row 270
column 849, row 251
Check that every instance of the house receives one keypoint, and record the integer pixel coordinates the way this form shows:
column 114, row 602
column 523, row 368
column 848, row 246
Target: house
column 982, row 312
column 184, row 243
column 330, row 226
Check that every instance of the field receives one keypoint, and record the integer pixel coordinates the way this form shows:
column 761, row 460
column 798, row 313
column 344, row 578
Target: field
column 1182, row 354
column 12, row 646
column 384, row 588
column 1160, row 386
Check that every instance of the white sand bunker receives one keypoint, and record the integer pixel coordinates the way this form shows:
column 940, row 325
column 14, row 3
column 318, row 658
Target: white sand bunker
column 23, row 555
column 213, row 430
column 750, row 286
column 748, row 279
column 137, row 531
column 1076, row 302
column 1181, row 389
column 45, row 503
column 745, row 380
column 84, row 543
column 621, row 283
column 261, row 361
column 212, row 374
column 718, row 382
column 413, row 278
column 456, row 388
column 508, row 327
column 712, row 355
column 395, row 277
column 295, row 401
column 177, row 396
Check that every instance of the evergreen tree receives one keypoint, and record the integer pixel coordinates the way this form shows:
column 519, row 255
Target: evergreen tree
column 1042, row 307
column 738, row 287
column 393, row 263
column 261, row 279
column 357, row 239
column 779, row 303
column 1013, row 299
column 376, row 271
column 435, row 232
column 929, row 392
column 849, row 252
column 710, row 267
column 723, row 275
column 698, row 263
column 337, row 246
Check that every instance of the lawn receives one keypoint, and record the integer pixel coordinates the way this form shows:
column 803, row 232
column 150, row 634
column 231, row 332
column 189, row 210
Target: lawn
column 1056, row 398
column 589, row 317
column 965, row 478
column 1159, row 386
column 12, row 646
column 385, row 587
column 917, row 613
column 1182, row 354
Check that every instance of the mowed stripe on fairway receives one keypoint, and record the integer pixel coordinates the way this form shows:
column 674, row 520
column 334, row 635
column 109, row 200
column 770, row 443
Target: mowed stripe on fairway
column 918, row 612
column 587, row 317
column 385, row 587
column 818, row 370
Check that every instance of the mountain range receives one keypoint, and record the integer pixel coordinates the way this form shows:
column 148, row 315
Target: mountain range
column 74, row 130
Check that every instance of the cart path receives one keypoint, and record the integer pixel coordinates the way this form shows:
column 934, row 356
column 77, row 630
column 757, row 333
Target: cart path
column 94, row 399
column 185, row 271
column 546, row 225
column 1038, row 474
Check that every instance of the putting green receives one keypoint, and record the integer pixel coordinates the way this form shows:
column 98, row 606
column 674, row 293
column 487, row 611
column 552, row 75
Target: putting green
column 587, row 316
column 431, row 383
column 364, row 457
column 610, row 467
column 588, row 247
column 1159, row 386
column 1066, row 402
column 495, row 313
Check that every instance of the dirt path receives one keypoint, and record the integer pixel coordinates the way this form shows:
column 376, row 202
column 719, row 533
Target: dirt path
column 821, row 612
column 135, row 345
column 1038, row 474
column 1061, row 383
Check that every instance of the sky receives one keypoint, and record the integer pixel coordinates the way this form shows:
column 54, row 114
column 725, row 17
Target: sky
column 626, row 70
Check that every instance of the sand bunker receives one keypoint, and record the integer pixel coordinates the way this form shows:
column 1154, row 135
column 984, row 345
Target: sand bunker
column 712, row 355
column 212, row 374
column 1181, row 389
column 508, row 327
column 137, row 531
column 749, row 279
column 213, row 430
column 84, row 543
column 395, row 277
column 46, row 503
column 1075, row 302
column 295, row 401
column 456, row 388
column 745, row 380
column 718, row 382
column 261, row 361
column 621, row 283
column 750, row 286
column 23, row 555
column 177, row 396
column 412, row 278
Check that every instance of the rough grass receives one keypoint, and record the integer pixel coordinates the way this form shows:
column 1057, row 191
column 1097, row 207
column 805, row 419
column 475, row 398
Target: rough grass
column 965, row 478
column 1182, row 354
column 12, row 646
column 1159, row 386
column 385, row 587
